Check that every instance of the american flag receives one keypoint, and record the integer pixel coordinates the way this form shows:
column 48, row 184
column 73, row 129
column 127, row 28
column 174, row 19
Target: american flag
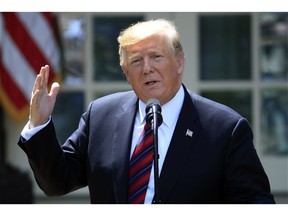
column 28, row 40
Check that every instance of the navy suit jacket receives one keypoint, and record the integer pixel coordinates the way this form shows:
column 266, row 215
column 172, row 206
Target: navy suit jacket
column 217, row 164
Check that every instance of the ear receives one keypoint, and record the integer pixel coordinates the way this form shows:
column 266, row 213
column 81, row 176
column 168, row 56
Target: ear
column 181, row 63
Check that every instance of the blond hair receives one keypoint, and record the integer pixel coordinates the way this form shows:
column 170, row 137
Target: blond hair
column 145, row 29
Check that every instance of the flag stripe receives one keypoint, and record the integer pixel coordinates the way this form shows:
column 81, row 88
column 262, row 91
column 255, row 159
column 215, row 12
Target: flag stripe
column 28, row 41
column 8, row 86
column 18, row 68
column 25, row 43
column 42, row 34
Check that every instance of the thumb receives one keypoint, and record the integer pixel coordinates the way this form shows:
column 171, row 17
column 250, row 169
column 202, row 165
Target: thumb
column 54, row 89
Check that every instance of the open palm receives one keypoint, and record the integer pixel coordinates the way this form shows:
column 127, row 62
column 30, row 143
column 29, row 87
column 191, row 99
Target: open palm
column 42, row 102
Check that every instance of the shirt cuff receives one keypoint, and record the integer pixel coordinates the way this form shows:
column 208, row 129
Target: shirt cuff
column 27, row 133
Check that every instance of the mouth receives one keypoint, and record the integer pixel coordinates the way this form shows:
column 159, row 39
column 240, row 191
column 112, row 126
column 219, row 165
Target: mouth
column 150, row 83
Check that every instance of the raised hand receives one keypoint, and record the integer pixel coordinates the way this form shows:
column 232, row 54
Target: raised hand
column 42, row 103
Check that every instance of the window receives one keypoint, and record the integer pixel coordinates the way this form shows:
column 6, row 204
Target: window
column 73, row 35
column 226, row 57
column 274, row 46
column 225, row 47
column 274, row 121
column 273, row 58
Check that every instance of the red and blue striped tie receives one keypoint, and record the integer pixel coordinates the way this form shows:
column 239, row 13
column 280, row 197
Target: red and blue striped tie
column 140, row 167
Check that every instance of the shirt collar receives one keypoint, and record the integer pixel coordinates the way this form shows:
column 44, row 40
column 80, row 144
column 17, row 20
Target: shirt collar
column 170, row 110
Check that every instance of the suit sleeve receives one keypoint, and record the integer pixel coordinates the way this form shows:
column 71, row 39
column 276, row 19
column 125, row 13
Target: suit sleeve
column 57, row 169
column 245, row 178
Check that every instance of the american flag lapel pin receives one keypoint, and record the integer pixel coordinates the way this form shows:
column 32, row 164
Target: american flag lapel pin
column 189, row 133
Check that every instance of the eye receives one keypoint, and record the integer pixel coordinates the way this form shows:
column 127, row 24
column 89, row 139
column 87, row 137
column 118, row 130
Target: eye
column 157, row 57
column 135, row 61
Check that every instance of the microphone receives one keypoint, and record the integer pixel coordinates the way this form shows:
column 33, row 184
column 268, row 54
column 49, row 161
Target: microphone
column 153, row 108
column 154, row 120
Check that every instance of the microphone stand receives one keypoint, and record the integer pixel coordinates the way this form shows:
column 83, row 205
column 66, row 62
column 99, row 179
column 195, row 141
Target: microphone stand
column 156, row 157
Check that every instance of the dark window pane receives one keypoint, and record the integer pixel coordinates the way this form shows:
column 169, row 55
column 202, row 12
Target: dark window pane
column 274, row 121
column 274, row 46
column 106, row 59
column 73, row 36
column 67, row 113
column 240, row 101
column 225, row 47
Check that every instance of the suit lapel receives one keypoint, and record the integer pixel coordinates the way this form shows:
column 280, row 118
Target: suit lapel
column 121, row 148
column 186, row 130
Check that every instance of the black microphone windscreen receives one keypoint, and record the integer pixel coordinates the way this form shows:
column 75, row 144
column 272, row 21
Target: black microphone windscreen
column 153, row 101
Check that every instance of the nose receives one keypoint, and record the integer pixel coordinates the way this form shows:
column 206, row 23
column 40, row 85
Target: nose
column 147, row 67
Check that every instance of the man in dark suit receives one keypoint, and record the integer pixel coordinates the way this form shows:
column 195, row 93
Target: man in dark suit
column 206, row 152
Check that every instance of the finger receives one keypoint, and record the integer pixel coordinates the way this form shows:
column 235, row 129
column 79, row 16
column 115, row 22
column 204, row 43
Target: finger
column 38, row 81
column 41, row 75
column 54, row 89
column 36, row 84
column 34, row 100
column 46, row 76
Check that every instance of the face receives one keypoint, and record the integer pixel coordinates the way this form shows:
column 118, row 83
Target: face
column 153, row 70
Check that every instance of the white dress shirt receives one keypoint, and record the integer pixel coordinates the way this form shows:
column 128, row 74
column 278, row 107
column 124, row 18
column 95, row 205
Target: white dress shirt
column 170, row 113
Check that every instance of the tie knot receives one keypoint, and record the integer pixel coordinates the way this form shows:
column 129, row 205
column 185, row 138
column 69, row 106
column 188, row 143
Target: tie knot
column 147, row 127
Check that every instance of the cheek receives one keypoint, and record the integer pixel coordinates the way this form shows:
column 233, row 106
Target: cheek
column 127, row 77
column 133, row 76
column 128, row 80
